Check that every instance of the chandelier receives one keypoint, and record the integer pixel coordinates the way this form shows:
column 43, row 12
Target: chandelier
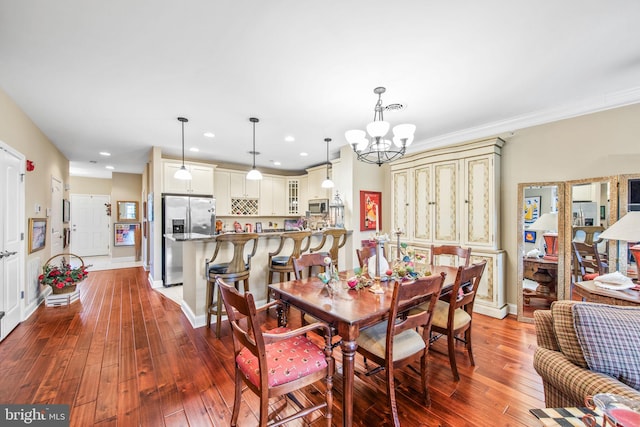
column 379, row 150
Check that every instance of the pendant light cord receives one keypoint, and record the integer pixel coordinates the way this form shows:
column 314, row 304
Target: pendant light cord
column 254, row 145
column 183, row 144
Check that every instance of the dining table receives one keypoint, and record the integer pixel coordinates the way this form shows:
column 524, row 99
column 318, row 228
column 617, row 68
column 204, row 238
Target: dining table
column 346, row 310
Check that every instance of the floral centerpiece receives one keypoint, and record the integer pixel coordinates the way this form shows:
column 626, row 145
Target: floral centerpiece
column 405, row 268
column 62, row 277
column 330, row 275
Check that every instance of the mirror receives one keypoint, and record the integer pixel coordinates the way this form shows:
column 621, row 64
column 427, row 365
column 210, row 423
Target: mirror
column 127, row 211
column 593, row 206
column 540, row 241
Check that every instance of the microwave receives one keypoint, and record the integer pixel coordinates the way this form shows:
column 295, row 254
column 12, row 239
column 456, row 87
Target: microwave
column 319, row 206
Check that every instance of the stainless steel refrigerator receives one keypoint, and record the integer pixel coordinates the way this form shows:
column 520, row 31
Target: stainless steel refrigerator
column 183, row 214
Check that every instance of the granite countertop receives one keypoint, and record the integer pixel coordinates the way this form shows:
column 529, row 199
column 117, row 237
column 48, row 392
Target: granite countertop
column 182, row 237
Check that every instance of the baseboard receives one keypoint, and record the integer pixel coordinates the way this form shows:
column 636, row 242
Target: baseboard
column 154, row 283
column 498, row 313
column 196, row 321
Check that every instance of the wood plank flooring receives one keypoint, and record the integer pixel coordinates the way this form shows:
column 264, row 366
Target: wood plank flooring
column 125, row 355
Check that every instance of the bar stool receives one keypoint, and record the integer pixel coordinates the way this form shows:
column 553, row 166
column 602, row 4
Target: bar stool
column 282, row 264
column 235, row 271
column 339, row 238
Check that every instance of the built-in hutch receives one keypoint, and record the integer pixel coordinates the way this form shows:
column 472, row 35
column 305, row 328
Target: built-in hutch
column 451, row 196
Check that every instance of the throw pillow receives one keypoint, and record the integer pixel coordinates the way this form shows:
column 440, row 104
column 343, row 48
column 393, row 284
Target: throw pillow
column 563, row 326
column 610, row 337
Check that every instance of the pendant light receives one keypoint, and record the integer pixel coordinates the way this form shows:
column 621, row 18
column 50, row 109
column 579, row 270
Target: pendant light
column 182, row 173
column 254, row 174
column 327, row 183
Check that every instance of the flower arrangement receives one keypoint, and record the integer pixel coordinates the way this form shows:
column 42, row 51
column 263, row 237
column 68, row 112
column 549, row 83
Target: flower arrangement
column 404, row 268
column 63, row 275
column 330, row 276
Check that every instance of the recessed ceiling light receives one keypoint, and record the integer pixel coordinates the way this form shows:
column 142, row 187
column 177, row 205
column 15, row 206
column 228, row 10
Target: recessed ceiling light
column 276, row 163
column 303, row 154
column 194, row 149
column 289, row 138
column 209, row 134
column 104, row 153
column 109, row 167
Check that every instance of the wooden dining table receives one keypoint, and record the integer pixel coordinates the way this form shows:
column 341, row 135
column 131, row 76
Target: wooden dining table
column 348, row 311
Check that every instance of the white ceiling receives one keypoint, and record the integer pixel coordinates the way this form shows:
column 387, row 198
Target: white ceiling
column 115, row 75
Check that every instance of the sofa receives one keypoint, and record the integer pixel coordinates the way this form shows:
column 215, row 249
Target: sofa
column 585, row 349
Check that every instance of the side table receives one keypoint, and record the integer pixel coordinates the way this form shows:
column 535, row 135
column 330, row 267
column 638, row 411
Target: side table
column 592, row 293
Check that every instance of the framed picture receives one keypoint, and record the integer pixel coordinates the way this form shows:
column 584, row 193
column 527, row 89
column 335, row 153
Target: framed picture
column 370, row 210
column 127, row 211
column 258, row 227
column 529, row 236
column 150, row 207
column 125, row 233
column 531, row 209
column 66, row 211
column 37, row 234
column 603, row 214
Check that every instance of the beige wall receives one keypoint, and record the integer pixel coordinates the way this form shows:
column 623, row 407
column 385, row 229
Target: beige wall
column 127, row 187
column 19, row 132
column 95, row 186
column 594, row 145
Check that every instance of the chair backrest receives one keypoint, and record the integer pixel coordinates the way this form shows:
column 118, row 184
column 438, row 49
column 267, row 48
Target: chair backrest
column 463, row 254
column 463, row 293
column 241, row 307
column 587, row 259
column 308, row 261
column 238, row 240
column 587, row 233
column 339, row 238
column 364, row 254
column 403, row 293
column 300, row 241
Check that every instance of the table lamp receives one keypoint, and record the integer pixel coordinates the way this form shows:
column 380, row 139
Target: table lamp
column 626, row 229
column 548, row 224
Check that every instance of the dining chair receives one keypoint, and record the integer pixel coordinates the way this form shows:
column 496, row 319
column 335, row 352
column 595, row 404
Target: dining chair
column 587, row 262
column 308, row 262
column 338, row 238
column 461, row 255
column 453, row 317
column 397, row 343
column 235, row 270
column 275, row 362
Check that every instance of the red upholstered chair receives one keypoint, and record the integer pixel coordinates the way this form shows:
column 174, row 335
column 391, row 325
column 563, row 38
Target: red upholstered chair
column 395, row 344
column 276, row 362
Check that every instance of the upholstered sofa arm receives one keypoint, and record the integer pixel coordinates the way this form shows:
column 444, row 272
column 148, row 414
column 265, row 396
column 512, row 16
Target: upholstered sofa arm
column 567, row 384
column 545, row 335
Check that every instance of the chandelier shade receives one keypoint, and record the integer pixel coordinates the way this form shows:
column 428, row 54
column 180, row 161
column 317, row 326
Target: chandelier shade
column 182, row 173
column 254, row 174
column 379, row 150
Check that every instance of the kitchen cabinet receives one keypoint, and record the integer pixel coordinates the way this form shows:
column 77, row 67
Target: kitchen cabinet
column 221, row 192
column 294, row 206
column 201, row 182
column 314, row 185
column 450, row 196
column 273, row 196
column 240, row 186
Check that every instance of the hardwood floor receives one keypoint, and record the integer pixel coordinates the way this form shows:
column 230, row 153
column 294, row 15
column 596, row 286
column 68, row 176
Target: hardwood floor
column 125, row 355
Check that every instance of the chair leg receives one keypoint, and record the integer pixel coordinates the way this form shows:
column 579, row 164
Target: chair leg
column 210, row 289
column 219, row 314
column 452, row 355
column 467, row 338
column 391, row 393
column 424, row 378
column 236, row 398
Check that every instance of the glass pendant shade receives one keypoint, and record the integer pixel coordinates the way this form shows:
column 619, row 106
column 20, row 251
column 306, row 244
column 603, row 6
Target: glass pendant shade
column 254, row 175
column 182, row 174
column 327, row 183
column 378, row 128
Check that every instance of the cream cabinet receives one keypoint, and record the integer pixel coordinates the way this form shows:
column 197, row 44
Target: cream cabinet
column 201, row 182
column 450, row 196
column 240, row 186
column 221, row 192
column 273, row 196
column 294, row 206
column 314, row 185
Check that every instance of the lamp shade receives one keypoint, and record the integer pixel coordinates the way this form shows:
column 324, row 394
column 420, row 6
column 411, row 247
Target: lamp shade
column 546, row 222
column 378, row 128
column 626, row 229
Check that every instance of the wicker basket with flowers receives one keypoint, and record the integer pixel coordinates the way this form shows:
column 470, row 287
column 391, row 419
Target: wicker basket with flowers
column 63, row 276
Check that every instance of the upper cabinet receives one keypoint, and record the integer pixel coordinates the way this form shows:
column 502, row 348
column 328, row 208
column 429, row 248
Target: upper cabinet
column 241, row 187
column 314, row 185
column 273, row 196
column 201, row 182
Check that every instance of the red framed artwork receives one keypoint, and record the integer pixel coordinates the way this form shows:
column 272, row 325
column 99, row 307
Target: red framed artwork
column 370, row 210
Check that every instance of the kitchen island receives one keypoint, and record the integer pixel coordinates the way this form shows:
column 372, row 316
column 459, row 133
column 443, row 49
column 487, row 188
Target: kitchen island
column 198, row 248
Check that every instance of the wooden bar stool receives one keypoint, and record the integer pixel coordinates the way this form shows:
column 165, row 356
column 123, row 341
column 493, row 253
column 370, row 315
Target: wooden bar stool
column 297, row 242
column 339, row 238
column 235, row 271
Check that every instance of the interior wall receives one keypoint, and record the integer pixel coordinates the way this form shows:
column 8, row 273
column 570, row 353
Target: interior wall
column 84, row 185
column 593, row 145
column 126, row 187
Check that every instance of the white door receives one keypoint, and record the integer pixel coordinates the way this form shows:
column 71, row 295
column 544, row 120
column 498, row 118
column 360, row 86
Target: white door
column 11, row 237
column 89, row 225
column 55, row 219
